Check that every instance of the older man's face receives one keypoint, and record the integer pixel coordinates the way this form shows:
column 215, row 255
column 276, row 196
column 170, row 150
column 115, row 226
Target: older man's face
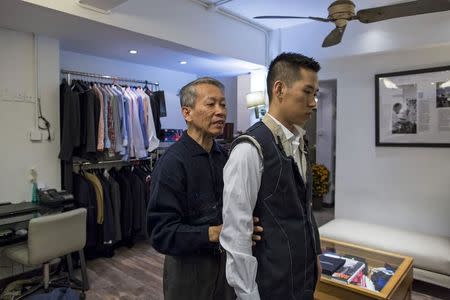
column 209, row 112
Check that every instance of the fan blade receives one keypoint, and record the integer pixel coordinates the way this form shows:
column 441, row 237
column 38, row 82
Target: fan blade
column 334, row 37
column 418, row 7
column 293, row 17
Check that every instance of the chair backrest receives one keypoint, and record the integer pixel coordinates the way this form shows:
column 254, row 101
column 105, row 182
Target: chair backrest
column 53, row 236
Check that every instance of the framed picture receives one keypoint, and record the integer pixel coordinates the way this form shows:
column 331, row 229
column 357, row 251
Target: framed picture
column 412, row 108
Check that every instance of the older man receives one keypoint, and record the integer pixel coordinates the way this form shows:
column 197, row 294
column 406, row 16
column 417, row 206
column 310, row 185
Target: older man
column 185, row 207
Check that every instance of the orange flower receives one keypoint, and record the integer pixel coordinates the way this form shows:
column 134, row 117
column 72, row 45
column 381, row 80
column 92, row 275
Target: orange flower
column 320, row 180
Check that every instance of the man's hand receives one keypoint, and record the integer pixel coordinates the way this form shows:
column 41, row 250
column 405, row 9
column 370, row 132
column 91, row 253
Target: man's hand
column 256, row 231
column 214, row 232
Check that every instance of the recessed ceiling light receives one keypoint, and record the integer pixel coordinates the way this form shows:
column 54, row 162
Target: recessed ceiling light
column 316, row 99
column 132, row 51
column 183, row 62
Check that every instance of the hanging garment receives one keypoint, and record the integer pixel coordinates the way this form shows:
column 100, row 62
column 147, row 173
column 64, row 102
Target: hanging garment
column 153, row 141
column 70, row 121
column 117, row 121
column 126, row 199
column 98, row 195
column 161, row 102
column 101, row 122
column 155, row 113
column 137, row 147
column 144, row 177
column 84, row 195
column 108, row 216
column 116, row 206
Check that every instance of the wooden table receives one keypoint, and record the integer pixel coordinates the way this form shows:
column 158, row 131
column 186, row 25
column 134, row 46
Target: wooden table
column 398, row 287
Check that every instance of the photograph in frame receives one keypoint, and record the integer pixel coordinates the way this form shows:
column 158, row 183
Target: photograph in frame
column 413, row 108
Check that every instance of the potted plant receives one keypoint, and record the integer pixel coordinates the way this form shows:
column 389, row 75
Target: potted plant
column 320, row 184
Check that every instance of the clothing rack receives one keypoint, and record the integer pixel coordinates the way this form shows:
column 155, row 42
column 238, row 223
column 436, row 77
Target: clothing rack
column 108, row 77
column 103, row 163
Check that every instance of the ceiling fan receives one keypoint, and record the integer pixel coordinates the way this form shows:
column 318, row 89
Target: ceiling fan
column 342, row 11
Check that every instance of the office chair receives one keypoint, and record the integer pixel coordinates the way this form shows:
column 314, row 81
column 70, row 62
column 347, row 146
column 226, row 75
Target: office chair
column 51, row 237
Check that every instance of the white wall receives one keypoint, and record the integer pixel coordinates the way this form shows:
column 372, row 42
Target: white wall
column 402, row 187
column 17, row 76
column 230, row 84
column 170, row 81
column 17, row 153
column 243, row 114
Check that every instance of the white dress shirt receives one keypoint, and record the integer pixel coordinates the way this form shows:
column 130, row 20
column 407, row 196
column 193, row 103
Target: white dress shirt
column 242, row 179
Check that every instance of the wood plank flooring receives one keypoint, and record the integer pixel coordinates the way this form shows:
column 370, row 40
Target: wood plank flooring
column 136, row 274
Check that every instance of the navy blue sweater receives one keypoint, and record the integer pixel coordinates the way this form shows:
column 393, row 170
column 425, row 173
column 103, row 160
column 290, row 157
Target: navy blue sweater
column 186, row 198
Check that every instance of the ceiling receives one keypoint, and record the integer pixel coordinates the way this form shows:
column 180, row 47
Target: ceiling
column 315, row 8
column 85, row 36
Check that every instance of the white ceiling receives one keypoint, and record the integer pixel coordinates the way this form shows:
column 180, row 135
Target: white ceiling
column 85, row 36
column 315, row 8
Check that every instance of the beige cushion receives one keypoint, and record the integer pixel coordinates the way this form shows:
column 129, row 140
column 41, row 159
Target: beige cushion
column 431, row 253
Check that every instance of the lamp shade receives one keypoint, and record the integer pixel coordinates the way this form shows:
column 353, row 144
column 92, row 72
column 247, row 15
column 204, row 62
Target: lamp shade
column 255, row 99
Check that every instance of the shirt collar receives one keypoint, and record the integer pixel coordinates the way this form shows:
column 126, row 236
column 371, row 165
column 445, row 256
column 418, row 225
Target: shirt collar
column 195, row 147
column 290, row 136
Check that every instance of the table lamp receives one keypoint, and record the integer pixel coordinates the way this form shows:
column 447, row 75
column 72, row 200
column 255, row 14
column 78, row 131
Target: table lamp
column 255, row 100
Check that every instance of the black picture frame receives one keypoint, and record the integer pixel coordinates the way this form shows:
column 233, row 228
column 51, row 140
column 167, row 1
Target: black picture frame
column 402, row 131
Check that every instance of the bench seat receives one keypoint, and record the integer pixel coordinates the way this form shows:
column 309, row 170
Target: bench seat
column 431, row 254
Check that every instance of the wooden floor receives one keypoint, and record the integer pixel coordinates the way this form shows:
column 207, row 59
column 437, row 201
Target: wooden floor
column 136, row 273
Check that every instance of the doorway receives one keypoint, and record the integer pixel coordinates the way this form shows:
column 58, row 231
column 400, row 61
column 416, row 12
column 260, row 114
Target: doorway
column 321, row 132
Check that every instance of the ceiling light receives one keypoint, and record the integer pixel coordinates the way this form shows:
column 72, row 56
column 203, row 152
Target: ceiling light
column 316, row 99
column 183, row 62
column 132, row 51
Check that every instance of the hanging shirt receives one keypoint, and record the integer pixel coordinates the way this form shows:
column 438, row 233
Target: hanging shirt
column 153, row 141
column 120, row 114
column 111, row 133
column 142, row 119
column 137, row 148
column 101, row 124
column 127, row 118
column 117, row 121
column 106, row 141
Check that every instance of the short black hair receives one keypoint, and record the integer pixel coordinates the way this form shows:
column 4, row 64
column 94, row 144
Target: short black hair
column 397, row 105
column 285, row 67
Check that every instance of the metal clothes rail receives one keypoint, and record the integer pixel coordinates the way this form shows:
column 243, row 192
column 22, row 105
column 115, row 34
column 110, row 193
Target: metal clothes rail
column 108, row 77
column 83, row 165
